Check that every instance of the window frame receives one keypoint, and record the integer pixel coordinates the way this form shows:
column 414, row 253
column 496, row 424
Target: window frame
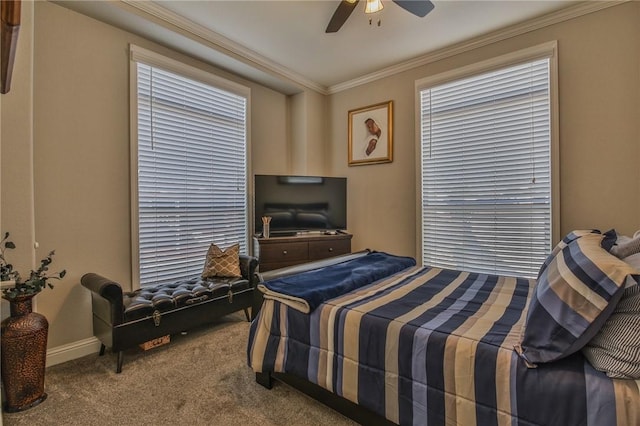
column 548, row 50
column 139, row 54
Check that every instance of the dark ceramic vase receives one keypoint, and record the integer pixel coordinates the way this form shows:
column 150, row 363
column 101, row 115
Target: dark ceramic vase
column 24, row 355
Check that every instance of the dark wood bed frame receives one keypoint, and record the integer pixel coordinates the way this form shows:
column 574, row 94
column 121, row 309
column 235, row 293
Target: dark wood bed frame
column 347, row 408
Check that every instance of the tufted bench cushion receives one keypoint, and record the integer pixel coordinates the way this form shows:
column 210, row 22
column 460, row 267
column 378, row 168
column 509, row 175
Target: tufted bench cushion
column 144, row 302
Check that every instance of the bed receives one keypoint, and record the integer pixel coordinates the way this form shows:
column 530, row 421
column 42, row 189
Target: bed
column 431, row 346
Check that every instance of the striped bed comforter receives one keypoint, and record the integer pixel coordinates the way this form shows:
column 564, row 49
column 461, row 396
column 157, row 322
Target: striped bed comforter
column 431, row 346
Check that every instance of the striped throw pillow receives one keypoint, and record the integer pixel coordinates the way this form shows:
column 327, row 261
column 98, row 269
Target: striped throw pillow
column 576, row 292
column 615, row 349
column 571, row 236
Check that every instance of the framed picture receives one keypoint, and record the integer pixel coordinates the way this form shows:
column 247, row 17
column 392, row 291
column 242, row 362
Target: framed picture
column 371, row 134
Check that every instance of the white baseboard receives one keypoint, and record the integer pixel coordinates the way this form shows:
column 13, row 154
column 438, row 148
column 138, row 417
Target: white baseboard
column 72, row 351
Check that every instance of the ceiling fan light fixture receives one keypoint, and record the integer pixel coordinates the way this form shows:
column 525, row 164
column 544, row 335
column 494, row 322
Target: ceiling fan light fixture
column 373, row 6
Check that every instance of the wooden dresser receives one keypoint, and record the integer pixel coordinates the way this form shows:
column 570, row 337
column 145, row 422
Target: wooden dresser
column 278, row 252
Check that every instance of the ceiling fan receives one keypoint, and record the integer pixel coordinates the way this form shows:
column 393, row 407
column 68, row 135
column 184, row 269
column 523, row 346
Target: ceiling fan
column 417, row 7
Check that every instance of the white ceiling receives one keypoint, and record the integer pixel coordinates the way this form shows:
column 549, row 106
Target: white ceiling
column 283, row 44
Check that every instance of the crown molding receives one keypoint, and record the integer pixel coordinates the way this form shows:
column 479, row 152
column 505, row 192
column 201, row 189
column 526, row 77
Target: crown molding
column 152, row 11
column 168, row 19
column 484, row 40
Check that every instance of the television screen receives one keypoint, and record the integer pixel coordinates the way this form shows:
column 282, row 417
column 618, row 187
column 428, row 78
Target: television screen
column 300, row 203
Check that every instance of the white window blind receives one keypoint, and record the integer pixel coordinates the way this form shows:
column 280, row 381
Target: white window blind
column 192, row 173
column 486, row 186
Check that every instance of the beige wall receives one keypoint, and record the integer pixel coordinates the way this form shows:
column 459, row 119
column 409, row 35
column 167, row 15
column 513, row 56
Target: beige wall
column 81, row 154
column 308, row 134
column 81, row 144
column 599, row 87
column 16, row 152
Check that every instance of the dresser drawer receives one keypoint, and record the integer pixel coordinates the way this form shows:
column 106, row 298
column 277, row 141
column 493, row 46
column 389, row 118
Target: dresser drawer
column 329, row 248
column 276, row 253
column 280, row 252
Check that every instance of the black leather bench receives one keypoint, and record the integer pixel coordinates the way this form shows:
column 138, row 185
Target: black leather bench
column 123, row 320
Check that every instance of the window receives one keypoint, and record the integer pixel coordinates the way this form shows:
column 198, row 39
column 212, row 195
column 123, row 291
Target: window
column 189, row 165
column 486, row 154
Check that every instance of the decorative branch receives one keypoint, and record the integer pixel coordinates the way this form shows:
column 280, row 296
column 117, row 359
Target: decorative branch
column 38, row 279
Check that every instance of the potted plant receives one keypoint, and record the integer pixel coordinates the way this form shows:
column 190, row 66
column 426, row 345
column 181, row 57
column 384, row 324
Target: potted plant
column 24, row 333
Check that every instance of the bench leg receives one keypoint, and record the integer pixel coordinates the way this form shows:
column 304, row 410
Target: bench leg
column 119, row 366
column 246, row 314
column 102, row 348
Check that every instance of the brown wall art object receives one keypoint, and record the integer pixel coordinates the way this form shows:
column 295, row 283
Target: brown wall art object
column 371, row 134
column 10, row 13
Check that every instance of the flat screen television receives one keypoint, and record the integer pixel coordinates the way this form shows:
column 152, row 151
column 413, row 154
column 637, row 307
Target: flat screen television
column 300, row 203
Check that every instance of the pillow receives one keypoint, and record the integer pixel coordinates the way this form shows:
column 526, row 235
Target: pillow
column 222, row 263
column 571, row 236
column 627, row 248
column 633, row 260
column 615, row 349
column 576, row 292
column 622, row 239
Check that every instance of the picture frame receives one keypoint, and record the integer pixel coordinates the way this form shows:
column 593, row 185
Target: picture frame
column 371, row 134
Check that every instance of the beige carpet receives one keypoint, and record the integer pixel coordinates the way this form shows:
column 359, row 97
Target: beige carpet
column 198, row 379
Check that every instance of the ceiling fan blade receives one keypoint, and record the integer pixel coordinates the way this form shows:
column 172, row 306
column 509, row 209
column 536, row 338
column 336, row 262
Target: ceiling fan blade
column 417, row 7
column 341, row 15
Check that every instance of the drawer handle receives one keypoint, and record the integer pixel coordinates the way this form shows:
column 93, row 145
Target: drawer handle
column 330, row 249
column 284, row 252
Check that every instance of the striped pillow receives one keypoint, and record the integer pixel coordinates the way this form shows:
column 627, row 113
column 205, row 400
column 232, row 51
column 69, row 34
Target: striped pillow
column 571, row 236
column 576, row 292
column 616, row 348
